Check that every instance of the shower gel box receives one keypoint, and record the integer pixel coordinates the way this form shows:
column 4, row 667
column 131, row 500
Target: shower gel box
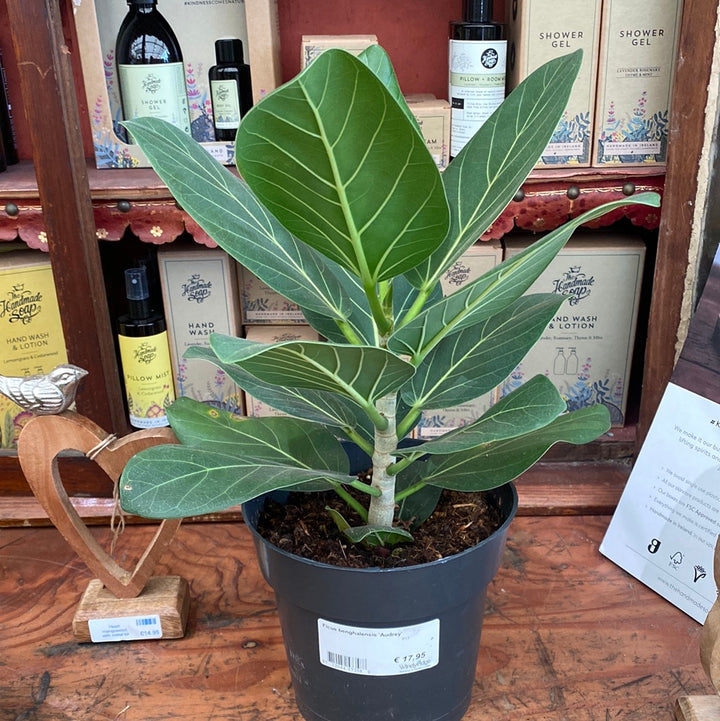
column 587, row 348
column 540, row 30
column 637, row 65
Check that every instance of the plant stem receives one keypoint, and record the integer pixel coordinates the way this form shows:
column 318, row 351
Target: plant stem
column 359, row 440
column 410, row 490
column 403, row 428
column 352, row 502
column 382, row 507
column 402, row 464
column 417, row 306
column 376, row 307
column 348, row 332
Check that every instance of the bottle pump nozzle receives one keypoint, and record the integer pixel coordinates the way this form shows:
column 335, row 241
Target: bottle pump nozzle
column 137, row 292
column 477, row 11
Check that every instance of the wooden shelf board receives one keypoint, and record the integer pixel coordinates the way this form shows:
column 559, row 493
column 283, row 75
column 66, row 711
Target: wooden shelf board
column 20, row 182
column 547, row 489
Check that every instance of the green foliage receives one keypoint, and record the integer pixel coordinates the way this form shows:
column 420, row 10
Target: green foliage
column 342, row 210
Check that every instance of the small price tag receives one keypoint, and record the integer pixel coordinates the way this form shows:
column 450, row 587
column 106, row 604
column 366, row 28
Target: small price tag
column 379, row 651
column 127, row 628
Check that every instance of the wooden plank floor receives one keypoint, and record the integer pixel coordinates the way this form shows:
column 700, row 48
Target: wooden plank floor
column 568, row 636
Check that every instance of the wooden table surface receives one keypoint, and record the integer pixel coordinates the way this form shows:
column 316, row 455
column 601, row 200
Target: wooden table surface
column 568, row 636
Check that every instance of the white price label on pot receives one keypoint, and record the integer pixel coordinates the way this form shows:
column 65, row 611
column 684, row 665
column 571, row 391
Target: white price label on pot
column 379, row 651
column 126, row 628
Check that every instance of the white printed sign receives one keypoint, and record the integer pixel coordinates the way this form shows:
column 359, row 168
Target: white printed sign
column 665, row 527
column 379, row 651
column 667, row 522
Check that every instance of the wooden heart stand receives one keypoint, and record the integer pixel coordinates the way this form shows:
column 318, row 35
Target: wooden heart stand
column 119, row 604
column 706, row 708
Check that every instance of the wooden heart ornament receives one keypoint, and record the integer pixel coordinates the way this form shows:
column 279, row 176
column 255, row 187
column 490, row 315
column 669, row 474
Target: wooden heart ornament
column 40, row 442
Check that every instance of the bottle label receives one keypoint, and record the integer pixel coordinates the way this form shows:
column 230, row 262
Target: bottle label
column 156, row 90
column 379, row 651
column 148, row 378
column 225, row 104
column 477, row 86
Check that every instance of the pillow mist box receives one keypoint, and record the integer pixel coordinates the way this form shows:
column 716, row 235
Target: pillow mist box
column 274, row 334
column 586, row 350
column 477, row 260
column 197, row 24
column 31, row 336
column 199, row 289
column 637, row 65
column 540, row 30
column 433, row 117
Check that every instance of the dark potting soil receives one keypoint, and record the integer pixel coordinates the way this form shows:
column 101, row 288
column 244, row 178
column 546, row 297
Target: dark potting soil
column 304, row 527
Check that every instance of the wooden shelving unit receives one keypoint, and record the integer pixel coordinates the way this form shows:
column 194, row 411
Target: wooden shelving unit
column 60, row 191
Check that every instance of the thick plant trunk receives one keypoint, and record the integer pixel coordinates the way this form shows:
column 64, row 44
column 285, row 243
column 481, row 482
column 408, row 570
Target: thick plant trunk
column 382, row 507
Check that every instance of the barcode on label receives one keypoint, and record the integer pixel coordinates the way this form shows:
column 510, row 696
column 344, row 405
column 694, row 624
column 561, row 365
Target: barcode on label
column 347, row 663
column 146, row 621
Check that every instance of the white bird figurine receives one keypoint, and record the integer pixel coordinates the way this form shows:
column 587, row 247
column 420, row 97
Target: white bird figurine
column 46, row 394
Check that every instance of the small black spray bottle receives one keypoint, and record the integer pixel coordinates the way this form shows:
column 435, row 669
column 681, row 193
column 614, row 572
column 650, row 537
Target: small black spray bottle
column 230, row 87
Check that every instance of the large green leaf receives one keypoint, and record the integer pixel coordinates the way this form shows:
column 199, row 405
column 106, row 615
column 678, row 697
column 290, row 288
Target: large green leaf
column 273, row 439
column 321, row 407
column 226, row 209
column 336, row 159
column 495, row 289
column 360, row 373
column 375, row 57
column 532, row 405
column 488, row 171
column 493, row 464
column 472, row 362
column 359, row 319
column 174, row 481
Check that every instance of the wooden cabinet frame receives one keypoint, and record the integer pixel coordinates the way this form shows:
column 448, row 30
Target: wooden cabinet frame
column 51, row 110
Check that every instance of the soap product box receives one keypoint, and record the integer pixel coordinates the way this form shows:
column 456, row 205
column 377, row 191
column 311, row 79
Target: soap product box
column 474, row 262
column 197, row 24
column 477, row 260
column 31, row 336
column 312, row 45
column 274, row 334
column 587, row 348
column 540, row 30
column 637, row 65
column 262, row 305
column 200, row 297
column 433, row 117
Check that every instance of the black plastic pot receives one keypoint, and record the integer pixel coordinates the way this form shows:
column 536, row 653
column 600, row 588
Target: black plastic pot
column 382, row 644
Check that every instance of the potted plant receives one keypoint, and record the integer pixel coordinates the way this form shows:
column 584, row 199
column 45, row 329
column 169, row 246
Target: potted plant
column 343, row 211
